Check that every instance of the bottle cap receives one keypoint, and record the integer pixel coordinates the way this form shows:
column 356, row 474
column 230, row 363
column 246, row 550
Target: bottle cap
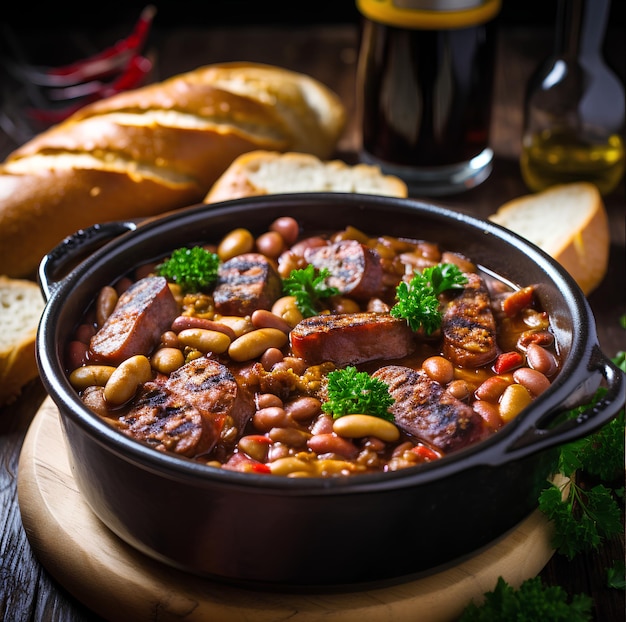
column 430, row 14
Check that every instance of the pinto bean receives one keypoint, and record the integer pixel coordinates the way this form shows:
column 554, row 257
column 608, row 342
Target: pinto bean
column 123, row 383
column 289, row 436
column 169, row 339
column 183, row 322
column 533, row 380
column 237, row 242
column 265, row 400
column 304, row 408
column 90, row 375
column 490, row 413
column 359, row 426
column 540, row 359
column 342, row 304
column 492, row 389
column 332, row 444
column 293, row 363
column 459, row 389
column 107, row 299
column 262, row 318
column 253, row 344
column 271, row 244
column 204, row 340
column 287, row 227
column 270, row 417
column 439, row 369
column 270, row 358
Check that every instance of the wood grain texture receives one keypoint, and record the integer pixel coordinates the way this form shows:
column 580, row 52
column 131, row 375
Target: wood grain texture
column 121, row 584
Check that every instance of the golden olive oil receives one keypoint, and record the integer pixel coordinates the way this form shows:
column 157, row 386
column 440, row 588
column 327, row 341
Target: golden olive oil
column 556, row 157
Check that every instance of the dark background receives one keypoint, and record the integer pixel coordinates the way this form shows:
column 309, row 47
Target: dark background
column 24, row 21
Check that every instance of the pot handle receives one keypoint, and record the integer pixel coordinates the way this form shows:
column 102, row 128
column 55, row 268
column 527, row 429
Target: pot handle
column 64, row 257
column 532, row 438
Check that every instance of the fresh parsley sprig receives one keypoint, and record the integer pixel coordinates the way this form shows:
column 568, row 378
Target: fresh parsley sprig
column 532, row 601
column 417, row 300
column 308, row 286
column 588, row 516
column 194, row 269
column 355, row 392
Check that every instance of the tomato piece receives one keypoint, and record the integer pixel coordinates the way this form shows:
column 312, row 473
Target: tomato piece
column 507, row 361
column 244, row 464
column 426, row 453
column 521, row 299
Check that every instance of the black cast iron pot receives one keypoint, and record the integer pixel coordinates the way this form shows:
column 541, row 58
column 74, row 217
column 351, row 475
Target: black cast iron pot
column 304, row 534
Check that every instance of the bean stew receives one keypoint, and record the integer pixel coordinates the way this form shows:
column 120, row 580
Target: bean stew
column 298, row 354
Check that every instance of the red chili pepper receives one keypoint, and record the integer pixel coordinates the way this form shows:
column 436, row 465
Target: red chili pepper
column 507, row 361
column 132, row 77
column 426, row 453
column 109, row 60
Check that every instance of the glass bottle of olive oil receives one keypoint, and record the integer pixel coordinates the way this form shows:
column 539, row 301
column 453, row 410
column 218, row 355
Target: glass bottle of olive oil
column 574, row 106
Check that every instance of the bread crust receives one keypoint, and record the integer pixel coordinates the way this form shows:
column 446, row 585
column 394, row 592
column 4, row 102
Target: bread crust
column 567, row 221
column 269, row 172
column 21, row 304
column 154, row 149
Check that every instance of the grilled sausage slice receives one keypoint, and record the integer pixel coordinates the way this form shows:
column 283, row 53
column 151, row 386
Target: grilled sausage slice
column 189, row 413
column 425, row 410
column 354, row 268
column 469, row 327
column 351, row 338
column 246, row 283
column 142, row 314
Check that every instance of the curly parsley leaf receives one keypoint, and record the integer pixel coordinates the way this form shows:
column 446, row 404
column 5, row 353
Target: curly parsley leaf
column 194, row 269
column 417, row 300
column 531, row 602
column 616, row 575
column 308, row 286
column 355, row 392
column 588, row 516
column 584, row 520
column 443, row 277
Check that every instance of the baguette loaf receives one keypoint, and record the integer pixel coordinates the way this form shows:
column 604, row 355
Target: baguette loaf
column 154, row 149
column 269, row 172
column 21, row 304
column 569, row 222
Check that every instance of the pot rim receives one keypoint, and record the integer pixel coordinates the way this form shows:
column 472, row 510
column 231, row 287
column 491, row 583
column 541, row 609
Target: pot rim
column 491, row 452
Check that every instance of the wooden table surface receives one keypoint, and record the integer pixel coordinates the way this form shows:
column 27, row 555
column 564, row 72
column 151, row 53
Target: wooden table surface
column 329, row 53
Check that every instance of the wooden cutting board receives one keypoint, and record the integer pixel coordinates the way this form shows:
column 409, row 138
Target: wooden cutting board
column 120, row 584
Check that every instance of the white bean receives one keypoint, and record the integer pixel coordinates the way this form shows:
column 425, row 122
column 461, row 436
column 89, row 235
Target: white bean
column 358, row 426
column 253, row 344
column 124, row 381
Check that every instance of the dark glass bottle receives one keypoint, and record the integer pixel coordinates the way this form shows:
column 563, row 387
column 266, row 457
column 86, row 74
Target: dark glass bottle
column 424, row 90
column 574, row 106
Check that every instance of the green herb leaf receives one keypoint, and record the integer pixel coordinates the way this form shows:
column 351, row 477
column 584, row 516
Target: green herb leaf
column 588, row 516
column 533, row 601
column 308, row 286
column 583, row 520
column 417, row 301
column 616, row 575
column 194, row 269
column 443, row 277
column 353, row 392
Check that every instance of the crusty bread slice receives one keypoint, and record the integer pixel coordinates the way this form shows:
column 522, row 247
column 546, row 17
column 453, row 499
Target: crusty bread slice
column 153, row 150
column 567, row 221
column 267, row 172
column 21, row 305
